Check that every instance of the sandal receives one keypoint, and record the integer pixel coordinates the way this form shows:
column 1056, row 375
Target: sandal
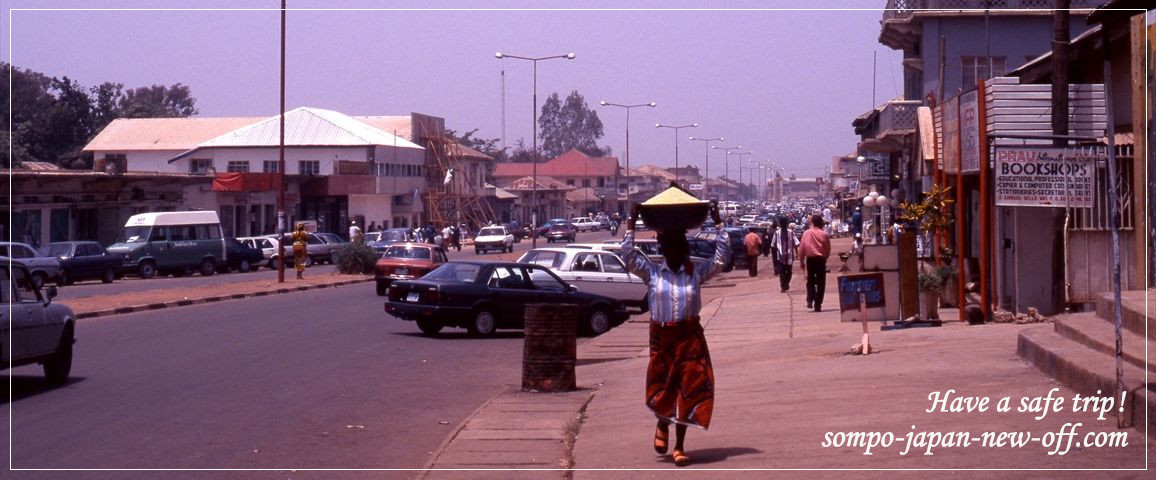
column 680, row 458
column 661, row 434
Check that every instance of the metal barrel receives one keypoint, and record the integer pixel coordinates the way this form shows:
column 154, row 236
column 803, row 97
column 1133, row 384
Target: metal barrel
column 550, row 348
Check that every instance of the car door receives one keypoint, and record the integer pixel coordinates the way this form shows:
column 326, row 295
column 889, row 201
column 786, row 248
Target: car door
column 28, row 317
column 14, row 319
column 90, row 259
column 586, row 273
column 623, row 285
column 511, row 289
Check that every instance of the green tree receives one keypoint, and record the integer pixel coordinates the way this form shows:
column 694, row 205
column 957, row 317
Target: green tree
column 568, row 125
column 158, row 101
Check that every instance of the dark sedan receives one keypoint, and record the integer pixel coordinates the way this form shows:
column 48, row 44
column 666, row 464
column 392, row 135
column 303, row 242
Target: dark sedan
column 483, row 297
column 561, row 232
column 240, row 257
column 518, row 230
column 83, row 260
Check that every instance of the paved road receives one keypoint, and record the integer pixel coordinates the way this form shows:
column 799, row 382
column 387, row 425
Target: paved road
column 135, row 284
column 318, row 379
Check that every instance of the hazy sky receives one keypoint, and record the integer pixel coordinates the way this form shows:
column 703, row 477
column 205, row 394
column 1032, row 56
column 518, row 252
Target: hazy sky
column 785, row 84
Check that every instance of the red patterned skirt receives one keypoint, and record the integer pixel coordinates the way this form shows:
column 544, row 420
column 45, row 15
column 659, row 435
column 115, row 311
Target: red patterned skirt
column 679, row 378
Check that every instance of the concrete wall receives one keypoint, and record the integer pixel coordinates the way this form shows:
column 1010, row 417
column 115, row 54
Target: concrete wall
column 1019, row 39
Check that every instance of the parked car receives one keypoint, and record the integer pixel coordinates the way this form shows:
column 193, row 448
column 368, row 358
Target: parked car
column 561, row 232
column 493, row 238
column 518, row 230
column 701, row 251
column 83, row 260
column 483, row 297
column 41, row 268
column 592, row 271
column 389, row 237
column 32, row 328
column 266, row 244
column 405, row 261
column 316, row 251
column 172, row 242
column 333, row 243
column 738, row 250
column 240, row 257
column 584, row 224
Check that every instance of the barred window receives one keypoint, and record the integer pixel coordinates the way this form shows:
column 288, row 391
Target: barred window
column 309, row 167
column 238, row 166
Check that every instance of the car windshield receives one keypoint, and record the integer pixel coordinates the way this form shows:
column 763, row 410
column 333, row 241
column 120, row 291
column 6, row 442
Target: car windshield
column 490, row 231
column 543, row 258
column 133, row 235
column 399, row 251
column 455, row 272
column 54, row 250
column 393, row 236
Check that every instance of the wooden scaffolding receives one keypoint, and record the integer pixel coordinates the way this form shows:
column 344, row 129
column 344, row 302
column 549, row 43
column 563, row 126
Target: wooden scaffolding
column 460, row 199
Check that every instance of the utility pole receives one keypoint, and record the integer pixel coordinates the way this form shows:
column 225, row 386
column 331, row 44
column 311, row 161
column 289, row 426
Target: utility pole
column 1060, row 110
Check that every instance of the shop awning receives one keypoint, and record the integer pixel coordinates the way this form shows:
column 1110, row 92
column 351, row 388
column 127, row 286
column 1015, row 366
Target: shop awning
column 244, row 182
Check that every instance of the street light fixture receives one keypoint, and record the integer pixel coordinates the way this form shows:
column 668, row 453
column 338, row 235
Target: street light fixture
column 740, row 155
column 706, row 160
column 676, row 128
column 534, row 117
column 604, row 103
column 726, row 160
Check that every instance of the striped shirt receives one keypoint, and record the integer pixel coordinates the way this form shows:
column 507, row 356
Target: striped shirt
column 674, row 296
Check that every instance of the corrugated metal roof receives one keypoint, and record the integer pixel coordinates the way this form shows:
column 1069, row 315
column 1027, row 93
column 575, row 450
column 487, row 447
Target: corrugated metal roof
column 177, row 134
column 306, row 126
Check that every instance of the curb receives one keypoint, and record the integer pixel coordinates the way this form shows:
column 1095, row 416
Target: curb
column 218, row 298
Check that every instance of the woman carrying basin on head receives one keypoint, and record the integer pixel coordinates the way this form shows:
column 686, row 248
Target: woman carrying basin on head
column 679, row 377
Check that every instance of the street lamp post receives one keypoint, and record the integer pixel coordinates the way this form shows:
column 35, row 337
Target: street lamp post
column 706, row 160
column 740, row 154
column 726, row 160
column 604, row 103
column 676, row 128
column 534, row 117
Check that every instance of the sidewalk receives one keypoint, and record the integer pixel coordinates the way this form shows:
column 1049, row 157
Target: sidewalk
column 121, row 303
column 784, row 381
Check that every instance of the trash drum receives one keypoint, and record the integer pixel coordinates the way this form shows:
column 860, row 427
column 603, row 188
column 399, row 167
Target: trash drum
column 550, row 348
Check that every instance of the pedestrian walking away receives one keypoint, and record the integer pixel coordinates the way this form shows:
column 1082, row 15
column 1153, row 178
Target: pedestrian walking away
column 355, row 235
column 299, row 237
column 456, row 238
column 679, row 378
column 814, row 250
column 753, row 243
column 787, row 245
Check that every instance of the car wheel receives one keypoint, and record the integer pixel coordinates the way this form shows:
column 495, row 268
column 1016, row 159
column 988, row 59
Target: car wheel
column 148, row 269
column 477, row 251
column 381, row 288
column 245, row 267
column 429, row 327
column 599, row 322
column 65, row 277
column 108, row 276
column 38, row 279
column 484, row 323
column 645, row 305
column 333, row 258
column 58, row 366
column 208, row 268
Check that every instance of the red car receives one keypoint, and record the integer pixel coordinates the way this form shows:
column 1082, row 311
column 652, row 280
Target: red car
column 405, row 261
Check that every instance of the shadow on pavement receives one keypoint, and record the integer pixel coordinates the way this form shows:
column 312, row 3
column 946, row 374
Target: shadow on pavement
column 462, row 335
column 714, row 455
column 24, row 386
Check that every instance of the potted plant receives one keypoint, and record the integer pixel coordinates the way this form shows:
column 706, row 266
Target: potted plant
column 932, row 282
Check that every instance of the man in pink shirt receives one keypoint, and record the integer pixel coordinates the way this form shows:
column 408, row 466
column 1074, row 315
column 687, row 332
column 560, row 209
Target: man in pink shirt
column 813, row 253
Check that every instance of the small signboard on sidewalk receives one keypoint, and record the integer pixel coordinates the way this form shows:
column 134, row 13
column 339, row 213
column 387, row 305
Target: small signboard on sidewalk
column 870, row 284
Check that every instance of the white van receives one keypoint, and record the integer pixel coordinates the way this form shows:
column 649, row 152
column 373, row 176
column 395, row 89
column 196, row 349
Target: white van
column 172, row 242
